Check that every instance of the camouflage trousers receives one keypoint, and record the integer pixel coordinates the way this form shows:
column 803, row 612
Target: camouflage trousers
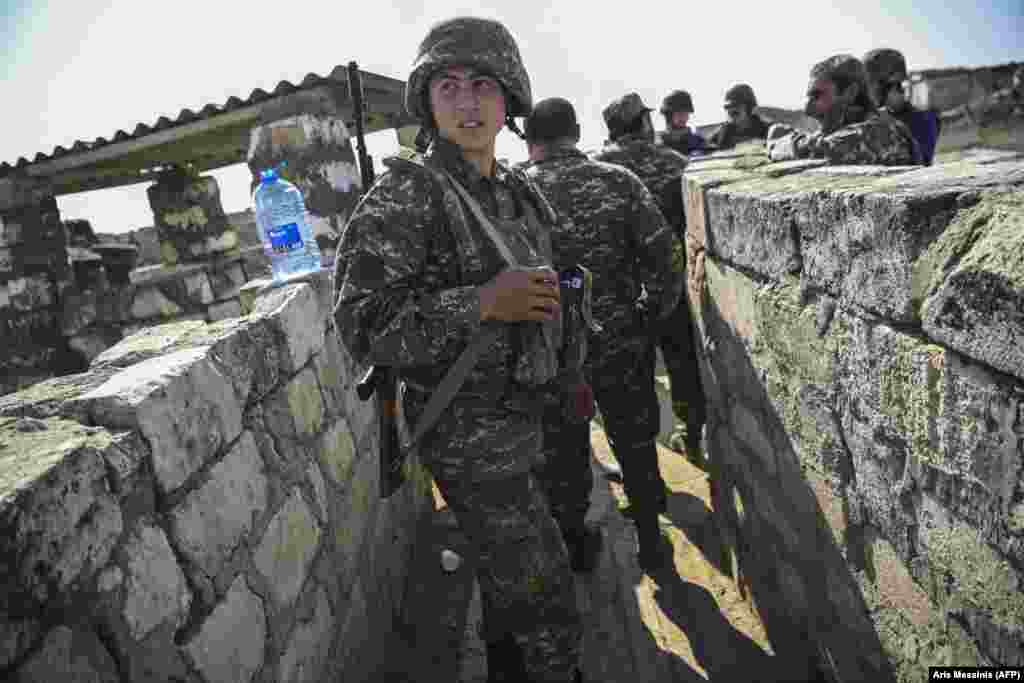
column 527, row 587
column 678, row 347
column 623, row 385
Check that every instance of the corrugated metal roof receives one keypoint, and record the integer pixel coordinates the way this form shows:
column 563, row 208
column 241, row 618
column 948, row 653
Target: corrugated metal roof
column 338, row 75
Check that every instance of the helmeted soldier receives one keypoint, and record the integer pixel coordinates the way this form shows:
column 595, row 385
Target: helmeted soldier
column 612, row 225
column 421, row 280
column 886, row 71
column 677, row 108
column 743, row 124
column 660, row 169
column 852, row 131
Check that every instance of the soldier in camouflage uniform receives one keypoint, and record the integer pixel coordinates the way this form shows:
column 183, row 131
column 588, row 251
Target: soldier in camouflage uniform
column 852, row 131
column 886, row 71
column 661, row 170
column 612, row 225
column 743, row 123
column 677, row 108
column 418, row 279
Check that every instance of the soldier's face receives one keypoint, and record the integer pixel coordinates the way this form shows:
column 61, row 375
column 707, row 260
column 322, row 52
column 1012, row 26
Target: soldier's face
column 821, row 99
column 680, row 119
column 738, row 114
column 468, row 106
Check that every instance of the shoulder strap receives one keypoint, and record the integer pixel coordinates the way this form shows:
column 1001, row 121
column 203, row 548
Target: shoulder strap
column 485, row 223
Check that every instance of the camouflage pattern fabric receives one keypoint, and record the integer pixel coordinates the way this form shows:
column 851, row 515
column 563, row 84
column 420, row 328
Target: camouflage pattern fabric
column 526, row 584
column 682, row 140
column 407, row 273
column 623, row 110
column 877, row 139
column 611, row 224
column 729, row 135
column 470, row 41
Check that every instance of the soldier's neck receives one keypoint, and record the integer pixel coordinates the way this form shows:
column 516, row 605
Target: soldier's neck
column 481, row 159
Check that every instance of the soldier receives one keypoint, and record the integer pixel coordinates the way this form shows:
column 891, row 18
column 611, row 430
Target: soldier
column 612, row 225
column 419, row 282
column 743, row 123
column 886, row 71
column 661, row 171
column 676, row 108
column 852, row 131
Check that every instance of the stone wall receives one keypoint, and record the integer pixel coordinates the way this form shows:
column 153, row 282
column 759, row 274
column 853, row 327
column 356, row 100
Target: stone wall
column 862, row 332
column 202, row 506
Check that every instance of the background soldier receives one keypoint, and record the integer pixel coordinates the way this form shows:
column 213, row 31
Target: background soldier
column 852, row 132
column 676, row 108
column 418, row 280
column 886, row 71
column 661, row 171
column 743, row 123
column 612, row 225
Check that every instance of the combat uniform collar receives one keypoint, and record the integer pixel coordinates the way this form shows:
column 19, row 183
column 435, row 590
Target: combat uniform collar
column 632, row 139
column 559, row 153
column 448, row 155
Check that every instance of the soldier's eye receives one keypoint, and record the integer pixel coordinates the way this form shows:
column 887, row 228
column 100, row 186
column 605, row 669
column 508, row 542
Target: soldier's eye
column 485, row 86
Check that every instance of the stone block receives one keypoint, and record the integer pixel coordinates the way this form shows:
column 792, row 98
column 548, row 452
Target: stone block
column 181, row 403
column 155, row 587
column 198, row 289
column 224, row 310
column 69, row 655
column 353, row 513
column 214, row 519
column 10, row 232
column 747, row 428
column 30, row 293
column 304, row 658
column 153, row 342
column 91, row 343
column 150, row 302
column 975, row 296
column 755, row 232
column 227, row 282
column 16, row 637
column 316, row 478
column 189, row 218
column 229, row 646
column 58, row 516
column 353, row 636
column 287, row 549
column 298, row 312
column 296, row 410
column 337, row 452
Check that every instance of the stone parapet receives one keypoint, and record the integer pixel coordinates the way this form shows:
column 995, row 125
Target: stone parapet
column 202, row 505
column 189, row 218
column 861, row 337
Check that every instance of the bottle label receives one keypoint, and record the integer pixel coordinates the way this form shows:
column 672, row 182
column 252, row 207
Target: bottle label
column 285, row 238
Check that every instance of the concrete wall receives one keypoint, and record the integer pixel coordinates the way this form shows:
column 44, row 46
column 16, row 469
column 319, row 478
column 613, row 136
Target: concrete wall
column 862, row 346
column 202, row 505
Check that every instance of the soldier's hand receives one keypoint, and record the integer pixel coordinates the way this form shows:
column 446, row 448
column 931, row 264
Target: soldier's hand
column 521, row 294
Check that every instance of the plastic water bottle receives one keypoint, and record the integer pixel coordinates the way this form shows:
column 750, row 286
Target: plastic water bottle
column 286, row 234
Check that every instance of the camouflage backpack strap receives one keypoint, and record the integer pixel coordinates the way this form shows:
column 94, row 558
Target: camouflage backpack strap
column 537, row 197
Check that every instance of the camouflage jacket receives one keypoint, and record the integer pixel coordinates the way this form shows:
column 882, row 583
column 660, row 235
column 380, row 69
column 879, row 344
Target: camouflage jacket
column 610, row 223
column 406, row 278
column 878, row 139
column 659, row 168
column 728, row 135
column 684, row 141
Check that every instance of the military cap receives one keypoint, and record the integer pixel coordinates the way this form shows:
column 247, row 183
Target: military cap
column 624, row 111
column 677, row 100
column 552, row 119
column 842, row 69
column 484, row 44
column 884, row 64
column 741, row 93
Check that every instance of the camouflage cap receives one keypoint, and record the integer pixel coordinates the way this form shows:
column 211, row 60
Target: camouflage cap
column 884, row 64
column 741, row 93
column 841, row 69
column 469, row 41
column 677, row 100
column 621, row 112
column 552, row 119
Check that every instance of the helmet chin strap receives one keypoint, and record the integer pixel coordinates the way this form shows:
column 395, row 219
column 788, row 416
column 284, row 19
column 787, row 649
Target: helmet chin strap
column 510, row 122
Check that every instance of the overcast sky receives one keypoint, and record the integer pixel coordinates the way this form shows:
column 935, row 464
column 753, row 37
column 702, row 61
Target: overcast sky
column 84, row 69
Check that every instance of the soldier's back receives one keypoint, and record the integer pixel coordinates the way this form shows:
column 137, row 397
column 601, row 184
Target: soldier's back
column 660, row 168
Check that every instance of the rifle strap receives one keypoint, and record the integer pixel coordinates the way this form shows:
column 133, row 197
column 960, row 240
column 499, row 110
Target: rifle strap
column 456, row 376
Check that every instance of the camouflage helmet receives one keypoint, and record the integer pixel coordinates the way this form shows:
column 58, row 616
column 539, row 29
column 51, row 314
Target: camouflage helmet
column 885, row 64
column 677, row 100
column 469, row 41
column 623, row 111
column 552, row 119
column 740, row 93
column 843, row 70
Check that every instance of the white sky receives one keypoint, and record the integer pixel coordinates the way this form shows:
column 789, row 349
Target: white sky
column 83, row 69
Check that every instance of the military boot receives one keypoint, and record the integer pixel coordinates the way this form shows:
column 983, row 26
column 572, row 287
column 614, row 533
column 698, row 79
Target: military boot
column 655, row 549
column 505, row 661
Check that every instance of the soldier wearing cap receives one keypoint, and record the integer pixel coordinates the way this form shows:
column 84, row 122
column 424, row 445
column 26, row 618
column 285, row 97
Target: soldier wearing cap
column 886, row 71
column 677, row 108
column 418, row 280
column 661, row 170
column 852, row 131
column 743, row 123
column 612, row 225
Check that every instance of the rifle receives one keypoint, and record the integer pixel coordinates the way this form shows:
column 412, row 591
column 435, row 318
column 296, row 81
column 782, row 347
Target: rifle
column 379, row 380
